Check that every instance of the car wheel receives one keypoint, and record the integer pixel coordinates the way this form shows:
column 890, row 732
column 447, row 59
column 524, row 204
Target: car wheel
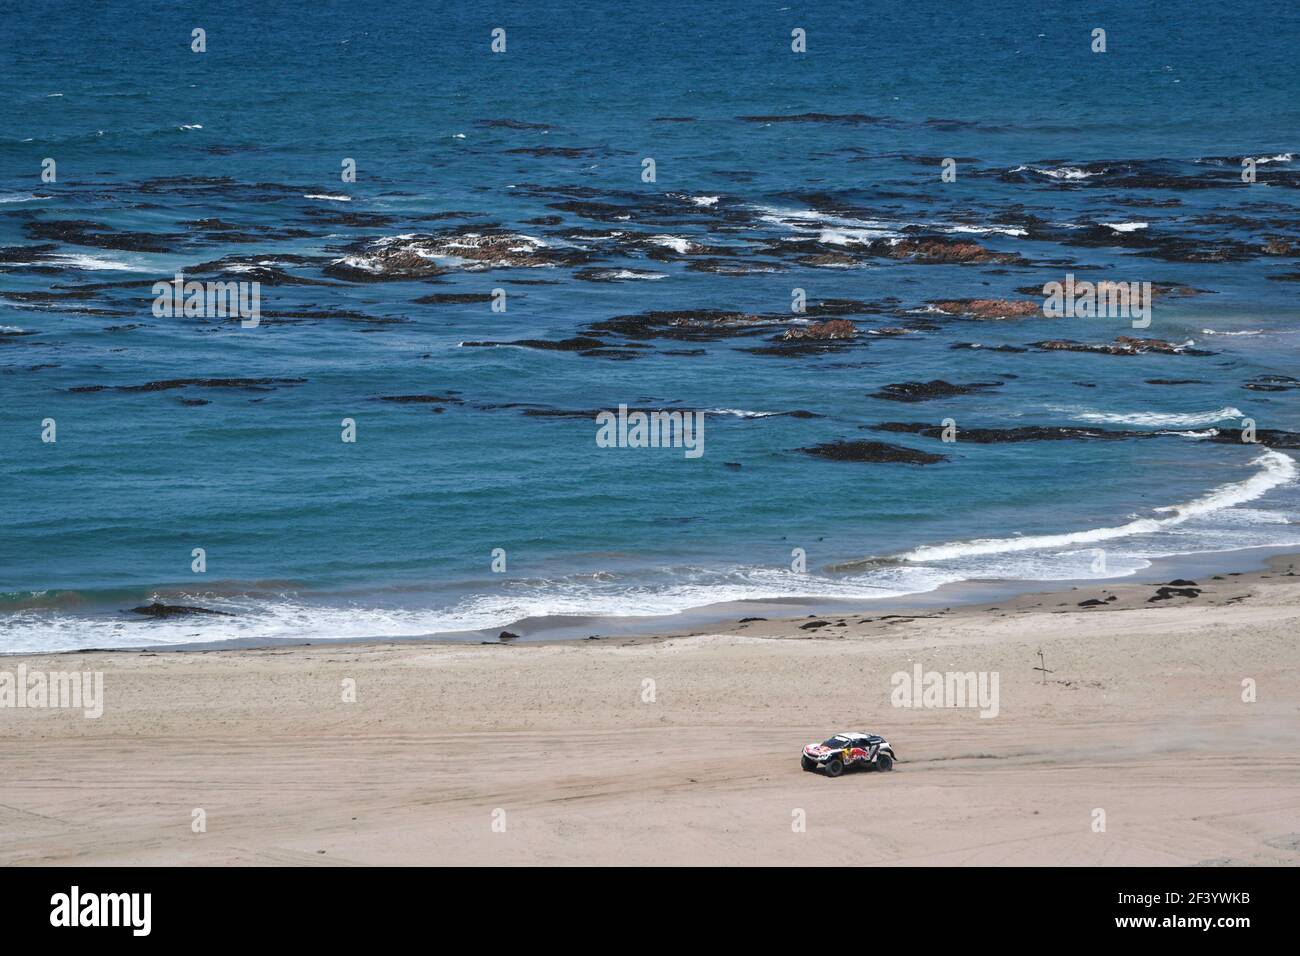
column 834, row 767
column 884, row 762
column 808, row 763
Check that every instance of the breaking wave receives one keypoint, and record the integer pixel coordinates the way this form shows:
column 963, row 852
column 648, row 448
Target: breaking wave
column 1159, row 419
column 1275, row 469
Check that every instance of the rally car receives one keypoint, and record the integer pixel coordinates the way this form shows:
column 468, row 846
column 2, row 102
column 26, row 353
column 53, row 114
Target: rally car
column 861, row 751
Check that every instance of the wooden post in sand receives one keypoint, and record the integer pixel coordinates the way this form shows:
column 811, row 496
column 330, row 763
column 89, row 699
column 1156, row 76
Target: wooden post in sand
column 1042, row 666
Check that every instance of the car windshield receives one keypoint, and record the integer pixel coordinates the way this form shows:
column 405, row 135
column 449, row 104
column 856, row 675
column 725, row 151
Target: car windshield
column 837, row 741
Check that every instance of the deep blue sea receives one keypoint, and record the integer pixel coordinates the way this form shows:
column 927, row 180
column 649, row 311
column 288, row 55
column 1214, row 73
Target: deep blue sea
column 523, row 171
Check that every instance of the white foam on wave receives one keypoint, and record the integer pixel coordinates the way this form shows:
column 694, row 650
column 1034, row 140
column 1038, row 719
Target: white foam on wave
column 630, row 275
column 1157, row 419
column 1207, row 433
column 291, row 619
column 1060, row 172
column 847, row 237
column 678, row 244
column 839, row 230
column 78, row 261
column 1274, row 469
column 1126, row 226
column 740, row 412
column 701, row 200
column 846, row 230
column 327, row 196
column 21, row 197
column 1015, row 231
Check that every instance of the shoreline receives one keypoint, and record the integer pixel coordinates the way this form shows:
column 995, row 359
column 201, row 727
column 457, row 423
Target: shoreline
column 971, row 593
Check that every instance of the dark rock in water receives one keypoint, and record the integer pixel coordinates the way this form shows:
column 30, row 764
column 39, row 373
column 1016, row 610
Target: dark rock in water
column 935, row 249
column 733, row 465
column 733, row 267
column 249, row 384
column 397, row 258
column 1272, row 383
column 925, row 391
column 1175, row 381
column 828, row 260
column 158, row 609
column 79, row 232
column 987, row 348
column 844, row 307
column 833, row 329
column 1021, row 433
column 63, row 296
column 36, row 253
column 747, row 620
column 599, row 211
column 991, row 308
column 617, row 355
column 1268, row 437
column 510, row 124
column 846, row 119
column 1123, row 345
column 576, row 344
column 872, row 451
column 703, row 325
column 451, row 298
column 420, row 399
column 507, row 636
column 616, row 275
column 296, row 316
column 195, row 401
column 567, row 152
column 1165, row 593
column 266, row 270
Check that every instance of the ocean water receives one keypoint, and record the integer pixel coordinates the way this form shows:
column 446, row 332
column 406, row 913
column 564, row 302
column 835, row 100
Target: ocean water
column 523, row 171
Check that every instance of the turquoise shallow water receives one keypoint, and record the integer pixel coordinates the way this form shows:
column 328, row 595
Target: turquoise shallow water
column 1122, row 165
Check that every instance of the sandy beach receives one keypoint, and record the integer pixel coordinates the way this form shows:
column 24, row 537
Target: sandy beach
column 563, row 753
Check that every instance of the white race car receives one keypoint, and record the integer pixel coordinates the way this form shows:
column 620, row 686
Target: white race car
column 862, row 751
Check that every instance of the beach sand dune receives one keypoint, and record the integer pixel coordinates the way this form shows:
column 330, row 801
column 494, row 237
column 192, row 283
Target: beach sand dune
column 554, row 754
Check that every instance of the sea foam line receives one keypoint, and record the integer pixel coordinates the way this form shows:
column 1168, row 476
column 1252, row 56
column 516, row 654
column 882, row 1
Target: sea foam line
column 1161, row 419
column 1275, row 469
